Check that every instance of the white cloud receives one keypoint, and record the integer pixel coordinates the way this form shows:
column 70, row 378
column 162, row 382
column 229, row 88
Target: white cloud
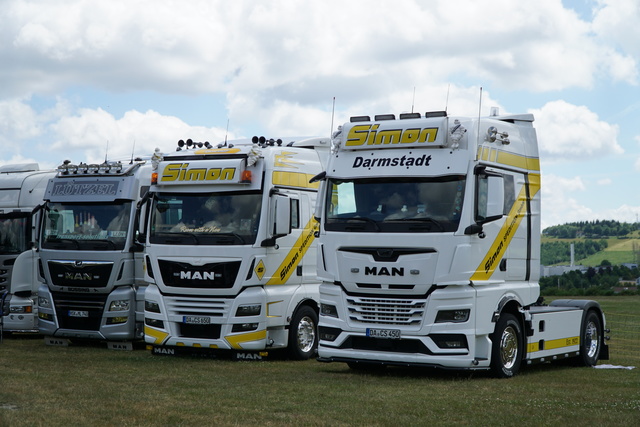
column 215, row 46
column 571, row 132
column 92, row 134
column 605, row 181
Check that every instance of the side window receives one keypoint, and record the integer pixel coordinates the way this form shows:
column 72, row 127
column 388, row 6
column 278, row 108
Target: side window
column 295, row 213
column 481, row 197
column 509, row 193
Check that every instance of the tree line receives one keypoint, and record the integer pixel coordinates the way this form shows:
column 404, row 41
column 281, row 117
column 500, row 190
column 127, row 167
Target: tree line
column 560, row 252
column 591, row 229
column 594, row 281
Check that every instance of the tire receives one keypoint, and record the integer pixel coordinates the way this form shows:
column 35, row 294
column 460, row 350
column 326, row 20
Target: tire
column 507, row 347
column 303, row 334
column 590, row 340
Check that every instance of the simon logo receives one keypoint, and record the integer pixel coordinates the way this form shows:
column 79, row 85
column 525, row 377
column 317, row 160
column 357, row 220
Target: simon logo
column 369, row 135
column 182, row 172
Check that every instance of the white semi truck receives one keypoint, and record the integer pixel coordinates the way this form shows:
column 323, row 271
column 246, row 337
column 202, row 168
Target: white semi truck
column 22, row 189
column 230, row 249
column 429, row 249
column 91, row 262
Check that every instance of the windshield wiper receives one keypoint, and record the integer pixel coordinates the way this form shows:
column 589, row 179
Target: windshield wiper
column 60, row 240
column 175, row 237
column 232, row 234
column 364, row 219
column 109, row 242
column 419, row 219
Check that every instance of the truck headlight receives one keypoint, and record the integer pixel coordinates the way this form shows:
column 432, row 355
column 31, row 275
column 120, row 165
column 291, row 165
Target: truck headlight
column 44, row 302
column 249, row 310
column 328, row 310
column 151, row 306
column 21, row 309
column 119, row 305
column 453, row 316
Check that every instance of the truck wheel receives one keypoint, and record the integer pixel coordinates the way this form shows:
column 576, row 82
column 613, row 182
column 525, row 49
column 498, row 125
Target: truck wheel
column 303, row 334
column 506, row 351
column 590, row 340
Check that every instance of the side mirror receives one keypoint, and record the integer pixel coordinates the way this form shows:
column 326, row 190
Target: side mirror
column 279, row 219
column 281, row 215
column 495, row 198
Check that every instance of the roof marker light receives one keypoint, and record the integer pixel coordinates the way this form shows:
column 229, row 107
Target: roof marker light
column 246, row 177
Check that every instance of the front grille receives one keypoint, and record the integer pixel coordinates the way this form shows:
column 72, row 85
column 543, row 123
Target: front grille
column 193, row 306
column 86, row 274
column 386, row 311
column 208, row 276
column 92, row 304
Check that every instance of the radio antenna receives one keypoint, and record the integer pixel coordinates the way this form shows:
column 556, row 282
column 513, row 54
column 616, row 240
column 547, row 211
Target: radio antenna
column 333, row 111
column 226, row 133
column 446, row 103
column 413, row 100
column 132, row 151
column 106, row 152
column 479, row 112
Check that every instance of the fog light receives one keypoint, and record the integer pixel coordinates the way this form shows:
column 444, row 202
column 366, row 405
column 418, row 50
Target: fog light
column 244, row 327
column 453, row 316
column 328, row 334
column 154, row 323
column 119, row 305
column 117, row 320
column 45, row 316
column 450, row 340
column 328, row 310
column 249, row 310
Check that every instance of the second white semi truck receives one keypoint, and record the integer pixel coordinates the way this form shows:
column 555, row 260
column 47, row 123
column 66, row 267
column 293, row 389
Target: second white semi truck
column 429, row 249
column 231, row 249
column 22, row 189
column 90, row 260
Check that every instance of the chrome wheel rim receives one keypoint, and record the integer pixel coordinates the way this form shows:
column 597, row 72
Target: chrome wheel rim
column 509, row 347
column 306, row 334
column 592, row 339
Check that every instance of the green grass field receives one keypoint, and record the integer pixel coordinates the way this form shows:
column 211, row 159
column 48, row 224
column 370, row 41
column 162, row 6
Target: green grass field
column 90, row 385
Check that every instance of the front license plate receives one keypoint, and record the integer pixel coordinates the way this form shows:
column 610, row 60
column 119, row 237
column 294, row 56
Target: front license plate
column 393, row 334
column 196, row 320
column 78, row 313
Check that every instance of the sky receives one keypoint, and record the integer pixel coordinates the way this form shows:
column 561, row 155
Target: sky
column 88, row 79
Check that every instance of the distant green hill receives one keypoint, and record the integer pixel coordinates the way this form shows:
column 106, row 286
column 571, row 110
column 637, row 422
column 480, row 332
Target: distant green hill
column 620, row 244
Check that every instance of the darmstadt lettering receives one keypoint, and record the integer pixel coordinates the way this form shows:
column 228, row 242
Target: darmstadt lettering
column 383, row 162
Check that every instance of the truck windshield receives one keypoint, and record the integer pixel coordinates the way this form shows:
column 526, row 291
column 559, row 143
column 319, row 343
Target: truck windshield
column 94, row 226
column 15, row 231
column 415, row 205
column 205, row 219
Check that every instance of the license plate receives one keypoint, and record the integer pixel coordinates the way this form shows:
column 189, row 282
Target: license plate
column 393, row 334
column 196, row 320
column 78, row 313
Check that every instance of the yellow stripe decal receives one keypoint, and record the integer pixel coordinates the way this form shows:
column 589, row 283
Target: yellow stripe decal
column 509, row 159
column 293, row 179
column 235, row 340
column 501, row 243
column 554, row 344
column 293, row 258
column 158, row 335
